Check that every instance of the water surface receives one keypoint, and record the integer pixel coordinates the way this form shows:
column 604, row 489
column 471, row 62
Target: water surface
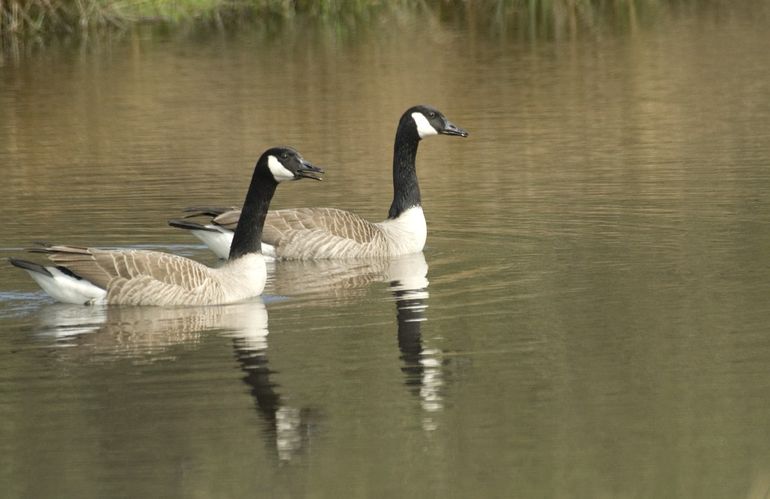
column 588, row 318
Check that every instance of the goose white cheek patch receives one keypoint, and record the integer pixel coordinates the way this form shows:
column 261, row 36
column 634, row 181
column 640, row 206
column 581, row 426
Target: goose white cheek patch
column 280, row 173
column 424, row 128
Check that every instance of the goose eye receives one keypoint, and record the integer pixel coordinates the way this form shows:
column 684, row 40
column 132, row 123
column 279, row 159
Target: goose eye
column 284, row 155
column 432, row 114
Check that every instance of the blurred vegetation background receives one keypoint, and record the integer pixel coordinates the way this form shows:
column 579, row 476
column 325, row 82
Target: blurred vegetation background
column 38, row 21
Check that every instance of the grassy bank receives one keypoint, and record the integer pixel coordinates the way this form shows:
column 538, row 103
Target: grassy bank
column 22, row 20
column 26, row 18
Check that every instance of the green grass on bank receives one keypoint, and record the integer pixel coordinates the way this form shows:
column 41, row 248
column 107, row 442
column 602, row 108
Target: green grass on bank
column 31, row 17
column 22, row 20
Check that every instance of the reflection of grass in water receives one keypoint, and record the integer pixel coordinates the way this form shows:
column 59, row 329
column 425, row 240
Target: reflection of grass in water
column 29, row 19
column 548, row 18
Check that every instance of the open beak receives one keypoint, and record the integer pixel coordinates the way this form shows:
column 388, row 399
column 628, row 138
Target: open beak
column 307, row 170
column 452, row 129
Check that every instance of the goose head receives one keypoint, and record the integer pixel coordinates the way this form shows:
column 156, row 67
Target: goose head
column 430, row 121
column 285, row 163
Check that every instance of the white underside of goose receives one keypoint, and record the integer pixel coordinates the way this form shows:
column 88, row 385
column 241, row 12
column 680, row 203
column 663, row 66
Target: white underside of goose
column 68, row 289
column 219, row 239
column 216, row 238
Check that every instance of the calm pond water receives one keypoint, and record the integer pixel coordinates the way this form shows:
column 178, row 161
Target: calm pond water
column 589, row 317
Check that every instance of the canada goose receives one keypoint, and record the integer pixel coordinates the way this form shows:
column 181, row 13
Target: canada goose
column 141, row 277
column 323, row 233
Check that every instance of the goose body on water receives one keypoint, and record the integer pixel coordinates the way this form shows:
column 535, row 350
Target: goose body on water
column 140, row 277
column 329, row 233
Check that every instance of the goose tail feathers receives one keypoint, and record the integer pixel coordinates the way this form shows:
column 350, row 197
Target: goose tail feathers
column 30, row 266
column 188, row 225
column 205, row 211
column 60, row 282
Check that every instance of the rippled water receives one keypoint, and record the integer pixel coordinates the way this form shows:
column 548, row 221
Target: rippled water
column 588, row 318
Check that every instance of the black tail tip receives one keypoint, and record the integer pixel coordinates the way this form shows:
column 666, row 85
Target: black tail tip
column 30, row 266
column 187, row 225
column 198, row 211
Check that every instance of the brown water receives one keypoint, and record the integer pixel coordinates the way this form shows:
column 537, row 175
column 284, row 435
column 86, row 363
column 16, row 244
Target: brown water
column 596, row 318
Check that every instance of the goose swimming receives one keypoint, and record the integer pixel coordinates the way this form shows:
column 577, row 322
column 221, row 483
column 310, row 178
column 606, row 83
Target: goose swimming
column 140, row 277
column 330, row 233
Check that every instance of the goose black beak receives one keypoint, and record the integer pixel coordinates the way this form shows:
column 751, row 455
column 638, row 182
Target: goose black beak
column 307, row 170
column 452, row 129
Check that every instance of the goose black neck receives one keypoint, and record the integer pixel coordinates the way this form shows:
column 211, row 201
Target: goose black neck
column 248, row 234
column 406, row 191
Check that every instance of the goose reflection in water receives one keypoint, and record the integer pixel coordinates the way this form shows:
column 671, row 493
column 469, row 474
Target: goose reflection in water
column 346, row 281
column 421, row 366
column 289, row 427
column 148, row 334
